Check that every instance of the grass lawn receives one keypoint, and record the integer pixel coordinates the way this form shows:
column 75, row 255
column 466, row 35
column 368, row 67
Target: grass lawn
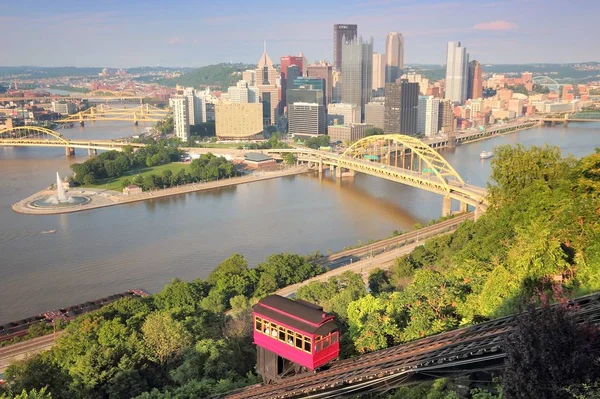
column 115, row 183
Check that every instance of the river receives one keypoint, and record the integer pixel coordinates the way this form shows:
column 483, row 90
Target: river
column 145, row 245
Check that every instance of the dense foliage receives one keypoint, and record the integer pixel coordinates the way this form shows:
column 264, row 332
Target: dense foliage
column 222, row 75
column 208, row 167
column 316, row 142
column 178, row 343
column 112, row 164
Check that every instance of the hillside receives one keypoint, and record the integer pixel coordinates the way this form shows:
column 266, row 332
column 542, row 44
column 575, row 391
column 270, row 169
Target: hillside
column 221, row 75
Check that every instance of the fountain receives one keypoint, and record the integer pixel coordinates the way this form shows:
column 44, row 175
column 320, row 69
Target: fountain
column 60, row 200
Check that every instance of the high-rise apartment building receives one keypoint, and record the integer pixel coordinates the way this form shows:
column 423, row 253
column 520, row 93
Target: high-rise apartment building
column 342, row 114
column 306, row 119
column 446, row 117
column 401, row 107
column 236, row 121
column 322, row 70
column 428, row 121
column 457, row 72
column 394, row 55
column 375, row 112
column 286, row 83
column 342, row 33
column 475, row 84
column 179, row 102
column 195, row 105
column 357, row 78
column 378, row 71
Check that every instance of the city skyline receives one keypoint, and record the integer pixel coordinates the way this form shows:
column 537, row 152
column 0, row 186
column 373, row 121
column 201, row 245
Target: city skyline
column 115, row 34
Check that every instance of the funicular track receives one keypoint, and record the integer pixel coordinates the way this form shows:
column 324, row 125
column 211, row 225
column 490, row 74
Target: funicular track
column 455, row 352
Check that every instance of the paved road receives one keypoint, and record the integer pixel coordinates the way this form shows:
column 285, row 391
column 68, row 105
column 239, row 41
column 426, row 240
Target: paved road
column 21, row 350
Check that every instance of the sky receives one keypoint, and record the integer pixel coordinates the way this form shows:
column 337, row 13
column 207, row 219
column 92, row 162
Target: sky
column 128, row 33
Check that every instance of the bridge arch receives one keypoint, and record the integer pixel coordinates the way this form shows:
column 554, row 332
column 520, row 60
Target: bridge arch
column 383, row 145
column 22, row 132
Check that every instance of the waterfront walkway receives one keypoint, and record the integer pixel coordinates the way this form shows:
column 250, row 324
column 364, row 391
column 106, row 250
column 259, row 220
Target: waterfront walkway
column 103, row 198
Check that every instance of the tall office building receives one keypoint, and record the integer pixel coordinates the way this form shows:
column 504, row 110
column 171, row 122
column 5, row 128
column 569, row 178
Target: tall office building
column 304, row 82
column 181, row 120
column 249, row 75
column 446, row 117
column 357, row 78
column 475, row 84
column 457, row 73
column 378, row 71
column 336, row 86
column 342, row 33
column 401, row 107
column 322, row 70
column 342, row 114
column 306, row 119
column 266, row 81
column 394, row 55
column 286, row 83
column 375, row 112
column 428, row 120
column 242, row 93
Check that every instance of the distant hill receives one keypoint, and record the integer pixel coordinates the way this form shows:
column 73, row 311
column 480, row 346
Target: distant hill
column 574, row 72
column 221, row 75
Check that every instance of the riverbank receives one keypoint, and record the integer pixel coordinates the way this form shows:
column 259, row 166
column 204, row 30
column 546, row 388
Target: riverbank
column 101, row 198
column 498, row 135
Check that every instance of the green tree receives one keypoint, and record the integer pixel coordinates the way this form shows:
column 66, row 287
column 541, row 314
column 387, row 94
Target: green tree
column 164, row 338
column 43, row 393
column 289, row 159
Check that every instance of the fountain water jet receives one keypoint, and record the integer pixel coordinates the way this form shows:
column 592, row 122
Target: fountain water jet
column 60, row 200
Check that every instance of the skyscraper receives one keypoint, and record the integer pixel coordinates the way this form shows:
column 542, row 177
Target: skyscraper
column 401, row 107
column 394, row 55
column 428, row 121
column 357, row 78
column 446, row 117
column 378, row 71
column 342, row 33
column 266, row 79
column 306, row 119
column 475, row 85
column 457, row 72
column 181, row 120
column 286, row 62
column 322, row 70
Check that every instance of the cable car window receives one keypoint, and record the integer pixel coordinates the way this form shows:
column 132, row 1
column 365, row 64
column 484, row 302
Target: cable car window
column 318, row 346
column 334, row 338
column 282, row 334
column 258, row 324
column 273, row 330
column 326, row 342
column 290, row 337
column 307, row 346
column 298, row 341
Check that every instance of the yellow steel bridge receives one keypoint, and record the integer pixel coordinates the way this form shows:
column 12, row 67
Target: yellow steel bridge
column 35, row 136
column 399, row 158
column 102, row 112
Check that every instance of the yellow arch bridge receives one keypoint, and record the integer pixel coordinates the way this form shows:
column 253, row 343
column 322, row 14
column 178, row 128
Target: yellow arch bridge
column 103, row 112
column 399, row 158
column 34, row 136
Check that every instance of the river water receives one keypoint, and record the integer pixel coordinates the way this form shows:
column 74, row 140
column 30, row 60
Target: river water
column 145, row 245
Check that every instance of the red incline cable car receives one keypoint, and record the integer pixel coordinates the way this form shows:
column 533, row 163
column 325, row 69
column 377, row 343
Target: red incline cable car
column 292, row 337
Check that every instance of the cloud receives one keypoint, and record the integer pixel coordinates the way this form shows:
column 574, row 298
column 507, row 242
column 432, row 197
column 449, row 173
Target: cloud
column 496, row 25
column 175, row 40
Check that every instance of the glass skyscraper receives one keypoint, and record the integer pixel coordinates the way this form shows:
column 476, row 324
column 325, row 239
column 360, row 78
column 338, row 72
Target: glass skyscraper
column 357, row 73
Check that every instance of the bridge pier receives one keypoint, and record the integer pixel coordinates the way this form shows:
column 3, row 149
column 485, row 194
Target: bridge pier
column 338, row 171
column 92, row 151
column 463, row 207
column 446, row 206
column 69, row 151
column 81, row 123
column 320, row 167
